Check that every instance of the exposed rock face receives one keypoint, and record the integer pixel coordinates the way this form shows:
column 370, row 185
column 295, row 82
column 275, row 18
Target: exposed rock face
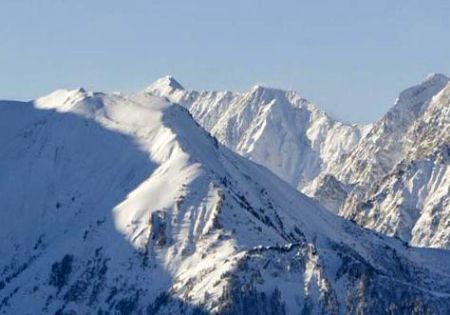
column 123, row 204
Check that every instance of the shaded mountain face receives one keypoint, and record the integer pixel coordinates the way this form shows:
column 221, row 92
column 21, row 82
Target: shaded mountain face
column 343, row 166
column 123, row 204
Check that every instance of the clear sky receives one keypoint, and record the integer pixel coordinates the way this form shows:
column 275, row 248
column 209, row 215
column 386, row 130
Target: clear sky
column 350, row 57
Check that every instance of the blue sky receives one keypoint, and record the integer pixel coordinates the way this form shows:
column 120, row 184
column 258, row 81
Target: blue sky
column 350, row 57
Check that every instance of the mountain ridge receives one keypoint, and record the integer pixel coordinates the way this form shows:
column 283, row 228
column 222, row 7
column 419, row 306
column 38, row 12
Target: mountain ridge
column 132, row 207
column 252, row 122
column 335, row 163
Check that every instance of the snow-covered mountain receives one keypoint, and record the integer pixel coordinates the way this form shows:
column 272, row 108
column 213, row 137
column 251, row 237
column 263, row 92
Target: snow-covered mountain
column 276, row 128
column 123, row 204
column 411, row 197
column 388, row 141
column 343, row 166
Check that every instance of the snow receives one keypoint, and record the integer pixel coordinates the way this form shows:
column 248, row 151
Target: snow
column 131, row 206
column 411, row 200
column 340, row 165
column 278, row 129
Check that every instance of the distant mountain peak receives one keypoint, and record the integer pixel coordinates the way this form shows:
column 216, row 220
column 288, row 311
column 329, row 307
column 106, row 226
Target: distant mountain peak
column 414, row 99
column 61, row 97
column 436, row 77
column 166, row 84
column 266, row 93
column 264, row 88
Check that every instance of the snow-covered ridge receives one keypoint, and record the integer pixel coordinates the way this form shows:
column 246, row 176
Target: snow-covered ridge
column 383, row 147
column 412, row 200
column 276, row 128
column 123, row 204
column 165, row 85
column 337, row 164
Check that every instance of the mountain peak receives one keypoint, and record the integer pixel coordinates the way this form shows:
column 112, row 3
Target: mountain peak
column 58, row 98
column 164, row 85
column 268, row 93
column 436, row 78
column 260, row 88
column 416, row 97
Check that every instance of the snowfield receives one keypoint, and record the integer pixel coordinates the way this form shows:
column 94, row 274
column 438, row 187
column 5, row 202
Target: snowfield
column 125, row 205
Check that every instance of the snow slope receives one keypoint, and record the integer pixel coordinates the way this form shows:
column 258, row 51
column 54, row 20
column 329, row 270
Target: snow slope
column 276, row 128
column 123, row 204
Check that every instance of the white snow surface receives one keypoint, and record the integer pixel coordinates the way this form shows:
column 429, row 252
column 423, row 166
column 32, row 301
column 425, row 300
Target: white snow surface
column 123, row 204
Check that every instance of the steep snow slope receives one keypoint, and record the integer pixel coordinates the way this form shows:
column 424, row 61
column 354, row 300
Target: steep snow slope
column 276, row 128
column 413, row 200
column 124, row 205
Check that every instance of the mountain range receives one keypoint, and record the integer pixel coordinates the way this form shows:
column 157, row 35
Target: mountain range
column 353, row 170
column 171, row 201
